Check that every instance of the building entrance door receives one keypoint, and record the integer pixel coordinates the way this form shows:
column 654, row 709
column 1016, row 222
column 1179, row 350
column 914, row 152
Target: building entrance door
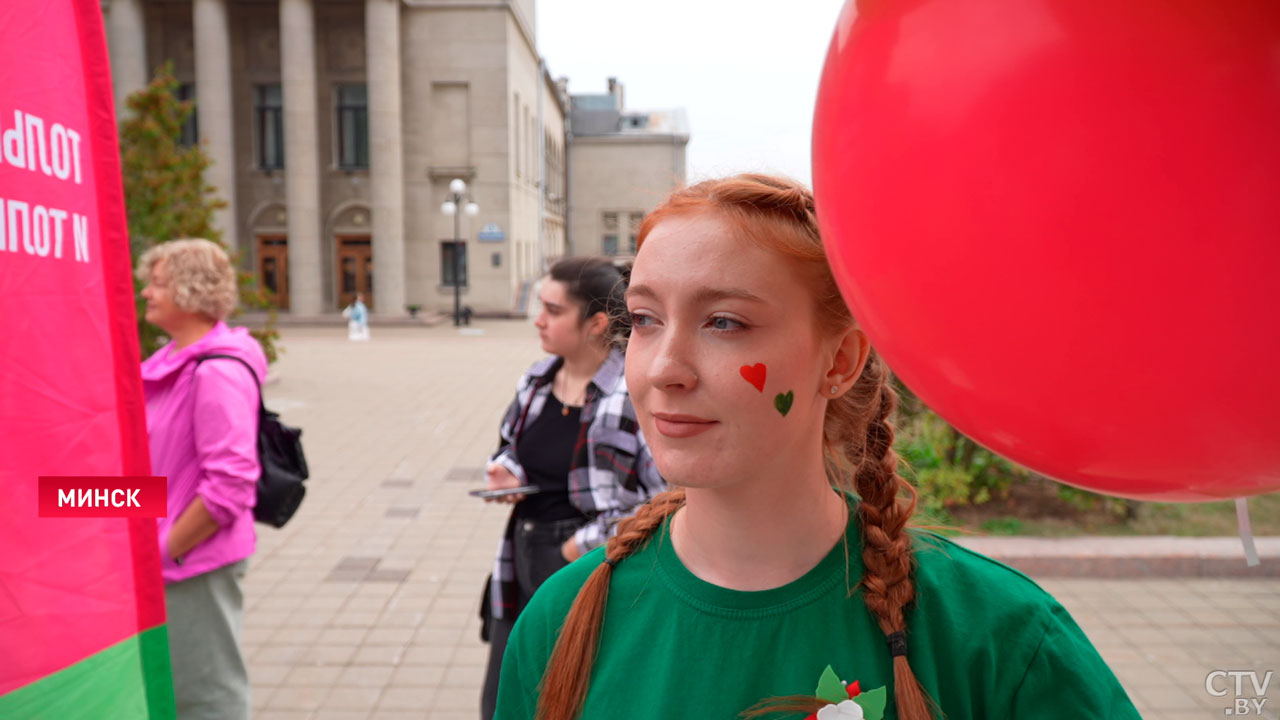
column 355, row 269
column 273, row 268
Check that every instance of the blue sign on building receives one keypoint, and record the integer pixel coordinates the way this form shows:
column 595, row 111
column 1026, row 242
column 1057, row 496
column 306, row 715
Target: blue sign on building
column 491, row 233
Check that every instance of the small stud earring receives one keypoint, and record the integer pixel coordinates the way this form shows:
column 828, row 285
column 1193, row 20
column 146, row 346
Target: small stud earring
column 835, row 389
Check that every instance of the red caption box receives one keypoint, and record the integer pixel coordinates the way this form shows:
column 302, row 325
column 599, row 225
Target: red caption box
column 85, row 496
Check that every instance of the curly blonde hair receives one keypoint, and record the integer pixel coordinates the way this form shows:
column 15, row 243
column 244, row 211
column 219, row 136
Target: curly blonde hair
column 201, row 275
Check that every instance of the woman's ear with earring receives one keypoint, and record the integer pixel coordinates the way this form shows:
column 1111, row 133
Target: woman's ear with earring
column 848, row 361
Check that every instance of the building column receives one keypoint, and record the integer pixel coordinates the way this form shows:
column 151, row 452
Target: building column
column 301, row 160
column 386, row 154
column 127, row 45
column 213, row 109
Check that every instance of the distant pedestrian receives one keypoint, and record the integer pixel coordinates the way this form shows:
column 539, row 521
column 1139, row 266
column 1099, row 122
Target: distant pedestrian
column 202, row 421
column 357, row 316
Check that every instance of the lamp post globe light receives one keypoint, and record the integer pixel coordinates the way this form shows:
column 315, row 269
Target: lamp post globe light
column 458, row 197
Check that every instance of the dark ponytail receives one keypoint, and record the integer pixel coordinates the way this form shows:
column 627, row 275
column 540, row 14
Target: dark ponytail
column 598, row 286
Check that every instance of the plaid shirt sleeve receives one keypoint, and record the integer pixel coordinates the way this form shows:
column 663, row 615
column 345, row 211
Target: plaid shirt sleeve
column 618, row 475
column 648, row 470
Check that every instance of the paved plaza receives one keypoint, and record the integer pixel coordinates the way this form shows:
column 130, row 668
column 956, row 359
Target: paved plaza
column 364, row 607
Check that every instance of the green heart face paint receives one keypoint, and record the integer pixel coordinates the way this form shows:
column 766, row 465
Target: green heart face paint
column 783, row 402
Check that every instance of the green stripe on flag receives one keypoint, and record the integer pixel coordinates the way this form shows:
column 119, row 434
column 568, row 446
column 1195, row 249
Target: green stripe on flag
column 130, row 680
column 157, row 673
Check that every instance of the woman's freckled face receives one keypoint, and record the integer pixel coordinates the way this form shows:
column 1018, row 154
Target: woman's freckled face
column 705, row 303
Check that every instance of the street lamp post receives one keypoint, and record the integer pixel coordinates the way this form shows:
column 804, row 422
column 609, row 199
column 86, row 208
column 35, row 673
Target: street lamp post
column 457, row 198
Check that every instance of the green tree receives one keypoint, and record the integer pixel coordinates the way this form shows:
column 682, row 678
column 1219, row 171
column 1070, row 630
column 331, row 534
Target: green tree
column 166, row 196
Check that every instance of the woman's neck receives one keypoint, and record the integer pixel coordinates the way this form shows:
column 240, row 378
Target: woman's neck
column 190, row 332
column 759, row 535
column 581, row 366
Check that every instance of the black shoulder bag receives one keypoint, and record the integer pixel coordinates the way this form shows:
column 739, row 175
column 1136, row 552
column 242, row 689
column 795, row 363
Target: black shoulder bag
column 284, row 467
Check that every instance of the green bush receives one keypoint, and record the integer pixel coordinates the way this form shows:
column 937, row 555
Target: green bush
column 1086, row 501
column 947, row 468
column 1003, row 526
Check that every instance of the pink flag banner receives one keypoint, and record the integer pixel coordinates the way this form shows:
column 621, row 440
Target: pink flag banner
column 82, row 630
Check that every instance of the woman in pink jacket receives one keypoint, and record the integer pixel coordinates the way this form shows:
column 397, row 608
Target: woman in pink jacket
column 202, row 420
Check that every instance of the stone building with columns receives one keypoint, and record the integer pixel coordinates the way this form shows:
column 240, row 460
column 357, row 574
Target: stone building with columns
column 336, row 126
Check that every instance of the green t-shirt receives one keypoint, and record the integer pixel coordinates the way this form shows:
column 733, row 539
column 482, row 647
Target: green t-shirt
column 984, row 640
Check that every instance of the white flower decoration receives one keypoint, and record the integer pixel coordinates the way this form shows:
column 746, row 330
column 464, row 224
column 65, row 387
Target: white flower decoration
column 846, row 710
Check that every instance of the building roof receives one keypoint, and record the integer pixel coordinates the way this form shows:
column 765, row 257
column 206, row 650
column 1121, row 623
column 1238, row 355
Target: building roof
column 605, row 115
column 631, row 123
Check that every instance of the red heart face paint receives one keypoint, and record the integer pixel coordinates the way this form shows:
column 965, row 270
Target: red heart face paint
column 754, row 374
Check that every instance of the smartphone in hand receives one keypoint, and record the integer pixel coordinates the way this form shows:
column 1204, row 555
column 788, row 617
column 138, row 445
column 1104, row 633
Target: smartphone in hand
column 522, row 490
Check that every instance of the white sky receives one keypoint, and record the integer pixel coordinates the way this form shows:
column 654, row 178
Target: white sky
column 746, row 71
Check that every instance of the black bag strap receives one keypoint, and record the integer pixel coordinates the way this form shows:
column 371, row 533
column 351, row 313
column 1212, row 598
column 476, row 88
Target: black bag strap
column 262, row 407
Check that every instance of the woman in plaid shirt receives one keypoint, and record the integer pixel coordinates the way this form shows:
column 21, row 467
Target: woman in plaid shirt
column 571, row 432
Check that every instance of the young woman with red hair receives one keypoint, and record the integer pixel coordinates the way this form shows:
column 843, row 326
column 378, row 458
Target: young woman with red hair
column 782, row 562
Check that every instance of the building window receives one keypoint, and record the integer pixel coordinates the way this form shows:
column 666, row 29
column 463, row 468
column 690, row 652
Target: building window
column 532, row 138
column 634, row 227
column 609, row 242
column 353, row 126
column 448, row 271
column 269, row 126
column 190, row 135
column 515, row 127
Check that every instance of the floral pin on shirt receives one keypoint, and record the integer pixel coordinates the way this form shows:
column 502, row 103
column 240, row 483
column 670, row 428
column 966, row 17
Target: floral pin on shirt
column 833, row 700
column 847, row 701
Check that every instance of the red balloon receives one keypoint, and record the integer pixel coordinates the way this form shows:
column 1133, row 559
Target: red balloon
column 1059, row 222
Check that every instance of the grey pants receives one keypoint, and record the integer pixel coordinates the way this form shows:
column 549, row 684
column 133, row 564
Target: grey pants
column 210, row 680
column 537, row 557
